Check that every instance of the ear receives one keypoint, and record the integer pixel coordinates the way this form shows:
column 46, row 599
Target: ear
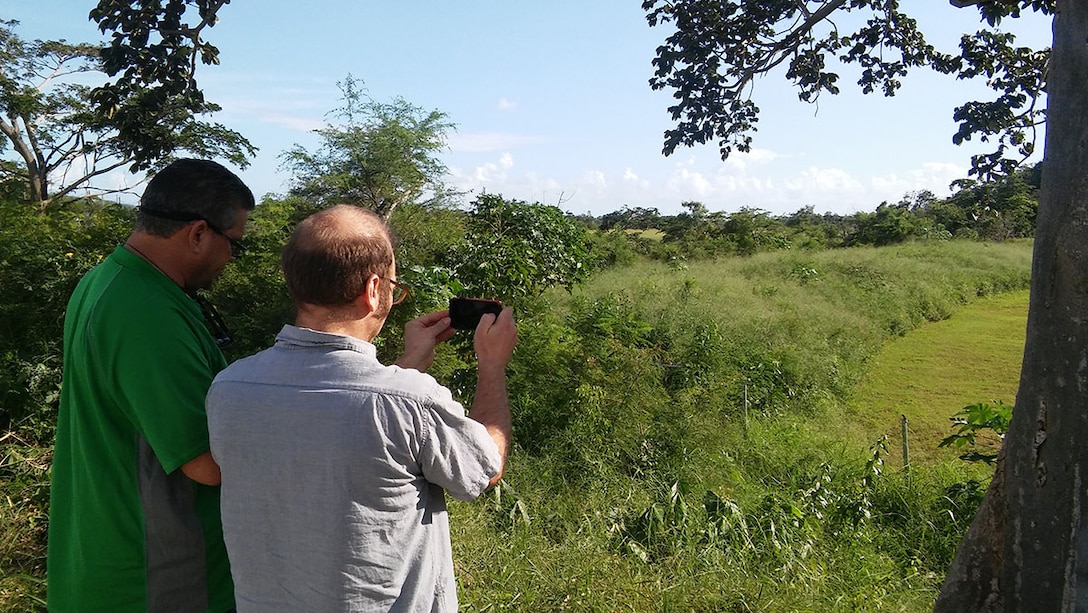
column 370, row 299
column 196, row 235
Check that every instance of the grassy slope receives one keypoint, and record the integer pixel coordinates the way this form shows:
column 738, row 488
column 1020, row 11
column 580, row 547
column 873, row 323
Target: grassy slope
column 803, row 329
column 819, row 318
column 928, row 375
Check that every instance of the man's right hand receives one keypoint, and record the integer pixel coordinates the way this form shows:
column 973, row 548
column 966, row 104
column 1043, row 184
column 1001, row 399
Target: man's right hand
column 495, row 339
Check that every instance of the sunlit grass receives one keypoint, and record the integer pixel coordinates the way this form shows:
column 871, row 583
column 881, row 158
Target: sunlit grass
column 938, row 369
column 657, row 391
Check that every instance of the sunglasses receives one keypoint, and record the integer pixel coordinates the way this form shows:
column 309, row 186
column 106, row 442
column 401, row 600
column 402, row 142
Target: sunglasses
column 237, row 248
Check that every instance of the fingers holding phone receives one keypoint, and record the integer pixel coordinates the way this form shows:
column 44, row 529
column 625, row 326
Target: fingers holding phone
column 496, row 336
column 465, row 313
column 495, row 331
column 421, row 335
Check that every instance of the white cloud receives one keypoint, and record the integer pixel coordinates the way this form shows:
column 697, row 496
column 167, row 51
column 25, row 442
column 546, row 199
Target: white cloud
column 758, row 183
column 747, row 186
column 489, row 173
column 686, row 181
column 506, row 105
column 755, row 157
column 816, row 180
column 302, row 109
column 594, row 179
column 934, row 176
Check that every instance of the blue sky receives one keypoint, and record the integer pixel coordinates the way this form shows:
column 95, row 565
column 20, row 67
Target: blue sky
column 552, row 104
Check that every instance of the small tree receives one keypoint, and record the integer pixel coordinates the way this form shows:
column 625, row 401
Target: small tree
column 382, row 156
column 63, row 141
column 889, row 224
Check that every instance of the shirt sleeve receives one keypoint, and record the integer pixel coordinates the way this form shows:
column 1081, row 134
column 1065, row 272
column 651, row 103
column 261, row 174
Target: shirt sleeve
column 457, row 453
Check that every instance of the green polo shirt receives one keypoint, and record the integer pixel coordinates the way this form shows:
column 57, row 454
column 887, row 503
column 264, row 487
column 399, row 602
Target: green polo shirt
column 128, row 531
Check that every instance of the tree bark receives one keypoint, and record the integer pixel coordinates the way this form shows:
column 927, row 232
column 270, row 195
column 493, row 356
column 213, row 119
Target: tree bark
column 1027, row 549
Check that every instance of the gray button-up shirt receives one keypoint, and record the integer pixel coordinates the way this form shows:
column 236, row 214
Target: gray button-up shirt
column 334, row 468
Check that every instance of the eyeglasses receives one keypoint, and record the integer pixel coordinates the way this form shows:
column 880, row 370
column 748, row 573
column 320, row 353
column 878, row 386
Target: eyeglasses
column 400, row 290
column 214, row 321
column 237, row 248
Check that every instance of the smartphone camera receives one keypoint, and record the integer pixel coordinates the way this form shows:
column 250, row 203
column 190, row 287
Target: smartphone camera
column 465, row 313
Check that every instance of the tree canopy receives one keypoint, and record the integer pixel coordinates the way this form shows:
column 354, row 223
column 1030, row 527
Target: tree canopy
column 718, row 48
column 152, row 96
column 383, row 155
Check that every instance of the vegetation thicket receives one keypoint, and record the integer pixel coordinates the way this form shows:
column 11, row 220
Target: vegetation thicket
column 682, row 439
column 675, row 420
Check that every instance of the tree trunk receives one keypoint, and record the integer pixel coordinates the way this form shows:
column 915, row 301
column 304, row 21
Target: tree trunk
column 1027, row 549
column 38, row 186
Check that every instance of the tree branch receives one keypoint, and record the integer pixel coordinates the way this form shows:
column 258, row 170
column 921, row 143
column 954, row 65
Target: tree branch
column 780, row 51
column 95, row 172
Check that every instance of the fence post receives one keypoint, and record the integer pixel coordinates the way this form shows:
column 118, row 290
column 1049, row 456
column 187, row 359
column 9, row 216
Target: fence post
column 745, row 409
column 906, row 444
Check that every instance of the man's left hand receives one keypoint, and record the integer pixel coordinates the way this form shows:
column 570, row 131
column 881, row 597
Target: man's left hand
column 421, row 336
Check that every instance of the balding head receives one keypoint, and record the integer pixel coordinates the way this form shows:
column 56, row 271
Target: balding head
column 331, row 255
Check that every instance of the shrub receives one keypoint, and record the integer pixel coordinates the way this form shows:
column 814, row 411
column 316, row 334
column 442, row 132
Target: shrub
column 514, row 250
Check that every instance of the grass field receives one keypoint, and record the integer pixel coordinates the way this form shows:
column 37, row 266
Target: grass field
column 748, row 478
column 707, row 436
column 929, row 374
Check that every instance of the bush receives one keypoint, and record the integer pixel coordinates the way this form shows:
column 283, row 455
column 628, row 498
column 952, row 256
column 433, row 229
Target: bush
column 42, row 257
column 514, row 250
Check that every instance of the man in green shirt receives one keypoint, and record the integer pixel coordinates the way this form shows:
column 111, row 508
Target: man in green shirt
column 134, row 516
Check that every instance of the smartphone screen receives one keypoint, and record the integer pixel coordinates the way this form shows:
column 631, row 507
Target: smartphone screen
column 465, row 313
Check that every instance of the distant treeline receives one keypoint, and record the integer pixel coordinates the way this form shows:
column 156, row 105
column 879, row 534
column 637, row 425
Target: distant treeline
column 996, row 211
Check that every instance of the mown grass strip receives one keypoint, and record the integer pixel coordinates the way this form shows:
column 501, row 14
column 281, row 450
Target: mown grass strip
column 929, row 374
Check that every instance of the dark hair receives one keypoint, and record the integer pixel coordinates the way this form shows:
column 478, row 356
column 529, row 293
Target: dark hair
column 333, row 253
column 200, row 187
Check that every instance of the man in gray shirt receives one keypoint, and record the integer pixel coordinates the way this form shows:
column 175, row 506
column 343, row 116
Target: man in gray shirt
column 335, row 466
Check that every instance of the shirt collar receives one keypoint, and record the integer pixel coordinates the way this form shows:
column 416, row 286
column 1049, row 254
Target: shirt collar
column 306, row 337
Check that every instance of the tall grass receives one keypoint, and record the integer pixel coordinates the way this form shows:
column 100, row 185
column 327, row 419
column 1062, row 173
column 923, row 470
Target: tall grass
column 674, row 450
column 685, row 442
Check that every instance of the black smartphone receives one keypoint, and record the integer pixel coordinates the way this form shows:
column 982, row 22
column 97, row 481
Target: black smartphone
column 465, row 313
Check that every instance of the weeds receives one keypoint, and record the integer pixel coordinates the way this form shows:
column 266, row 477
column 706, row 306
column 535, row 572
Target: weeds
column 636, row 483
column 24, row 472
column 974, row 419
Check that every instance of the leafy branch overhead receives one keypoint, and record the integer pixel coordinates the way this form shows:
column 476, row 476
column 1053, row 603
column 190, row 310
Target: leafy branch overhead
column 153, row 98
column 718, row 48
